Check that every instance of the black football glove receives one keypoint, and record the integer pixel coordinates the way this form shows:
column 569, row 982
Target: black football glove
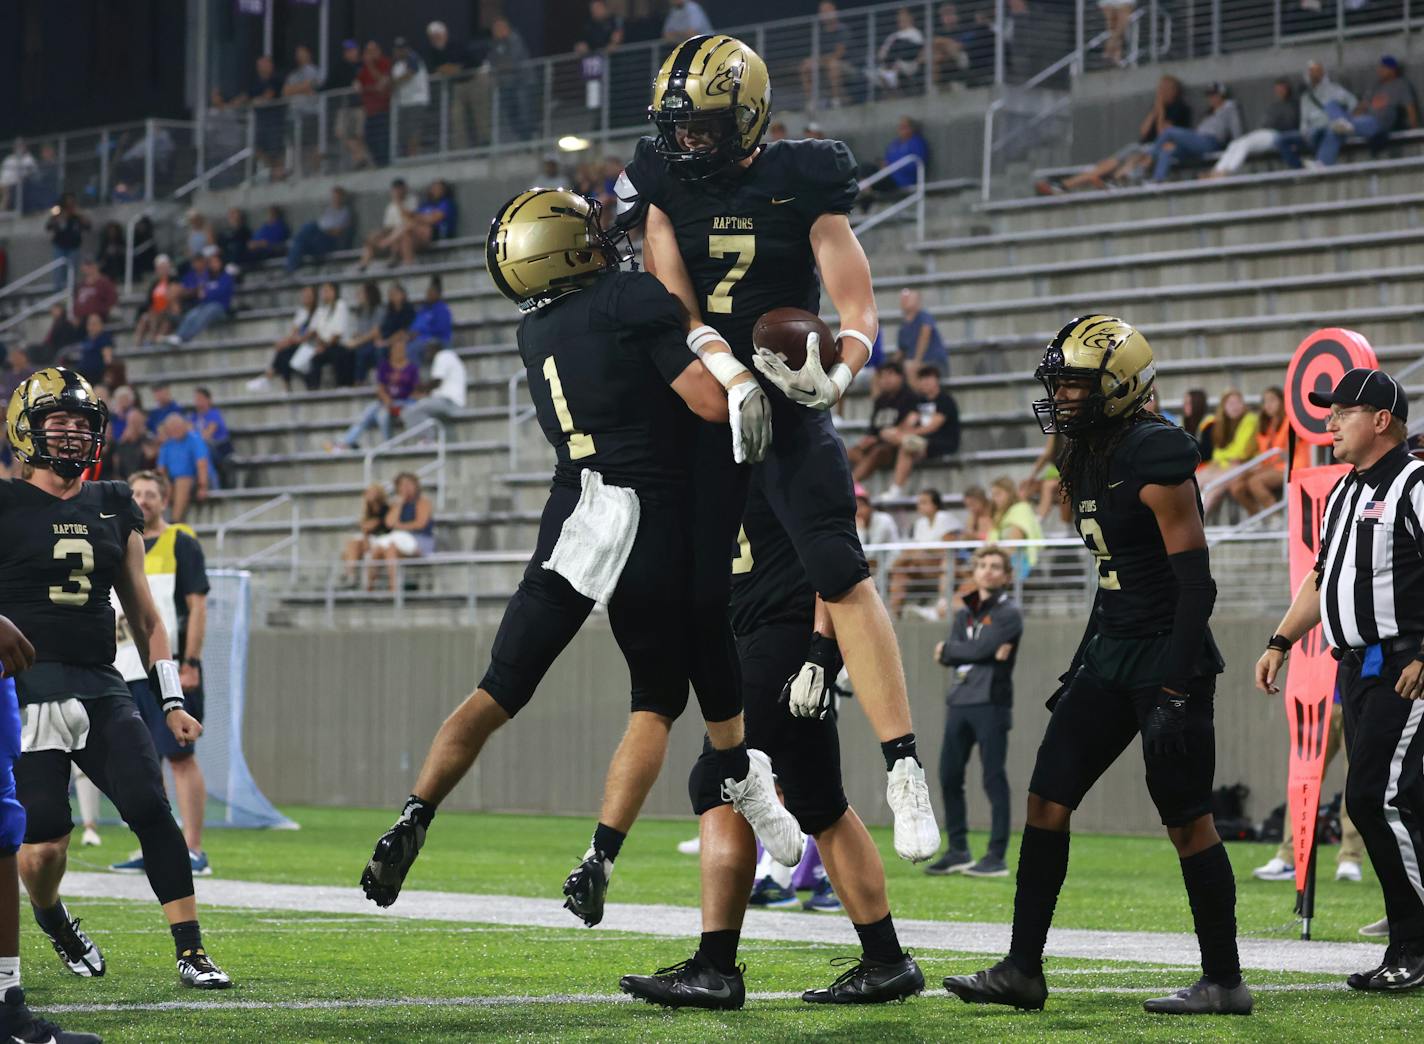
column 808, row 692
column 1164, row 730
column 395, row 853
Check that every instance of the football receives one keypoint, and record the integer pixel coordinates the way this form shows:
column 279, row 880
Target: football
column 783, row 331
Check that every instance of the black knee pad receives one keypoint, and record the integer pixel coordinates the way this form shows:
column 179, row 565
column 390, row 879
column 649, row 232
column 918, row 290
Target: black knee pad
column 165, row 857
column 820, row 815
column 834, row 561
column 704, row 789
column 669, row 703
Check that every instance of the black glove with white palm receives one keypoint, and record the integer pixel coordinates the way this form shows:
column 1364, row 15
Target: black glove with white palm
column 1164, row 729
column 809, row 693
column 749, row 412
column 811, row 385
column 395, row 852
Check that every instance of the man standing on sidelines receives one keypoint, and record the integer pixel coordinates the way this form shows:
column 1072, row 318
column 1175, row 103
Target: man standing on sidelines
column 178, row 577
column 1367, row 589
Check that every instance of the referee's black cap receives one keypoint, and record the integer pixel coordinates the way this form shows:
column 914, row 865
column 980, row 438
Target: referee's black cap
column 1362, row 387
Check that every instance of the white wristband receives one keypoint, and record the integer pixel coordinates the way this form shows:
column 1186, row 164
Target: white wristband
column 841, row 377
column 723, row 366
column 170, row 689
column 698, row 338
column 869, row 342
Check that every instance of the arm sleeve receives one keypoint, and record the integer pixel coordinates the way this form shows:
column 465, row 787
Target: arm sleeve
column 653, row 319
column 827, row 168
column 1006, row 625
column 192, row 575
column 646, row 174
column 1196, row 594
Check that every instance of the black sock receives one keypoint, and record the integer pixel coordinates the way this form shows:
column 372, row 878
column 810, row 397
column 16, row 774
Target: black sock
column 608, row 841
column 1211, row 890
column 186, row 937
column 1043, row 864
column 879, row 942
column 733, row 762
column 419, row 810
column 895, row 749
column 719, row 950
column 52, row 920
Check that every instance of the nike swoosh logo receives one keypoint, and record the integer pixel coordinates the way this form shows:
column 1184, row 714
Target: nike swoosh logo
column 102, row 515
column 1114, row 485
column 722, row 992
column 777, row 202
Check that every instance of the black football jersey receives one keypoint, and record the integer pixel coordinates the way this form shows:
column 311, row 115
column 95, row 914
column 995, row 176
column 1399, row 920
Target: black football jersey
column 599, row 363
column 745, row 235
column 58, row 561
column 769, row 584
column 1137, row 587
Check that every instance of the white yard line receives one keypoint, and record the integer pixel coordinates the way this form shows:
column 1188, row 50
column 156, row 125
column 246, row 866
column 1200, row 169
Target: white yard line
column 1280, row 955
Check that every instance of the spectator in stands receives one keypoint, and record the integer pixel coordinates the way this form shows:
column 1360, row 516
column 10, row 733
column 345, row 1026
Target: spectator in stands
column 949, row 51
column 1195, row 420
column 410, row 84
column 145, row 250
column 17, row 368
column 872, row 526
column 365, row 324
column 440, row 397
column 284, row 352
column 183, row 458
column 18, row 167
column 434, row 219
column 270, row 239
column 908, row 141
column 121, row 400
column 685, row 19
column 300, row 91
column 930, row 431
column 1169, row 109
column 199, row 237
column 396, row 378
column 1118, row 16
column 384, row 239
column 1261, row 487
column 330, row 336
column 372, row 523
column 61, row 334
column 919, row 341
column 1388, row 106
column 95, row 294
column 1282, row 117
column 411, row 523
column 330, row 231
column 214, row 299
column 163, row 406
column 1014, row 519
column 892, row 400
column 900, row 59
column 235, row 237
column 397, row 315
column 1233, row 433
column 469, row 95
column 1219, row 128
column 604, row 32
column 922, row 568
column 134, row 450
column 263, row 94
column 350, row 126
column 113, row 251
column 208, row 421
column 833, row 61
column 433, row 327
column 1321, row 100
column 66, row 227
column 96, row 351
column 509, row 60
column 373, row 80
column 815, row 132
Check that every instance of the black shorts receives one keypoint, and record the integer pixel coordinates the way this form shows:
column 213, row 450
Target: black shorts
column 164, row 741
column 648, row 613
column 805, row 752
column 117, row 755
column 1094, row 722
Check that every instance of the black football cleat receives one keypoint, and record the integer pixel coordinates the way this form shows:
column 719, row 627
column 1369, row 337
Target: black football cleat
column 691, row 984
column 870, row 982
column 1403, row 969
column 587, row 886
column 19, row 1024
column 1001, row 984
column 1203, row 997
column 395, row 854
column 75, row 949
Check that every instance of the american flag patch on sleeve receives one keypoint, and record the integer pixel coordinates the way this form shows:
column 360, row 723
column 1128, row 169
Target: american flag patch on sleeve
column 1373, row 511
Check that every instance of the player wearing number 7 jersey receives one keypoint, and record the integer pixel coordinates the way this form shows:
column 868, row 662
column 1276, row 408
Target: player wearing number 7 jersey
column 1147, row 663
column 64, row 544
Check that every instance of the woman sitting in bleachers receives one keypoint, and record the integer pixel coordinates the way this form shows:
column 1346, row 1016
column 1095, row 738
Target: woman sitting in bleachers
column 1233, row 433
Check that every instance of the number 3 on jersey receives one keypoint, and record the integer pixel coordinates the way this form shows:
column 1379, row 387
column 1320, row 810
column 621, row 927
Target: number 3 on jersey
column 743, row 250
column 1092, row 534
column 65, row 551
column 580, row 443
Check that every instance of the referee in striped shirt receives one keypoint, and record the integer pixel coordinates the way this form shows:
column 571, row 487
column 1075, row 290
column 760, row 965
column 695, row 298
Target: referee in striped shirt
column 1367, row 589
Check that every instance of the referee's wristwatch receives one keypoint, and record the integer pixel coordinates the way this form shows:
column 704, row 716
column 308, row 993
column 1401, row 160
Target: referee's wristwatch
column 192, row 661
column 1279, row 642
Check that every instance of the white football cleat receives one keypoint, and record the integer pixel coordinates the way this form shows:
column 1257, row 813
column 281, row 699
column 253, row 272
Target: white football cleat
column 916, row 832
column 1348, row 870
column 754, row 798
column 1275, row 870
column 691, row 846
column 1378, row 930
column 91, row 838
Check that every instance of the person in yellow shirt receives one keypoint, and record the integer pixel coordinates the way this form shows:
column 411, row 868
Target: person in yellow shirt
column 1014, row 519
column 1233, row 432
column 1261, row 487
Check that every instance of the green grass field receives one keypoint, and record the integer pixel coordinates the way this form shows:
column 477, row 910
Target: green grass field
column 327, row 977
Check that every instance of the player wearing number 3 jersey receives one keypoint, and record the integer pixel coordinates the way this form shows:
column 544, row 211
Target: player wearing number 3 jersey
column 1147, row 663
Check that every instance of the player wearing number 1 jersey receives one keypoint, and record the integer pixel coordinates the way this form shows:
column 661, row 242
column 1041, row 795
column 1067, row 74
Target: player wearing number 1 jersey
column 736, row 228
column 1147, row 663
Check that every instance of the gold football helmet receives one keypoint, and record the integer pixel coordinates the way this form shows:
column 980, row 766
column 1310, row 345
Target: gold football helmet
column 56, row 389
column 545, row 243
column 717, row 88
column 1110, row 359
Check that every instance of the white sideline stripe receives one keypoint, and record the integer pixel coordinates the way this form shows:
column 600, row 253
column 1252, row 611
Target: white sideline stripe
column 1282, row 955
column 931, row 995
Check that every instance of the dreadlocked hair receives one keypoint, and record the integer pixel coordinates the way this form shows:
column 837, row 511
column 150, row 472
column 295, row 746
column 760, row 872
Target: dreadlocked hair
column 1084, row 466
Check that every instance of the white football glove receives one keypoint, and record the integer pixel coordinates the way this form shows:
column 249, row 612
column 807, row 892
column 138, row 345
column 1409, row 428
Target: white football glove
column 750, row 417
column 811, row 386
column 808, row 693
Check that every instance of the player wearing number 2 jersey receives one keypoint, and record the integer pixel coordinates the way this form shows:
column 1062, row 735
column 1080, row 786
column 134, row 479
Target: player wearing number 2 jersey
column 1147, row 663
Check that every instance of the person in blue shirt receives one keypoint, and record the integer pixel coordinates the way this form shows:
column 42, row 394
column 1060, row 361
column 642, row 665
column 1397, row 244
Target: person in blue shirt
column 908, row 142
column 96, row 351
column 213, row 298
column 270, row 239
column 919, row 341
column 163, row 406
column 209, row 422
column 185, row 460
column 433, row 326
column 434, row 219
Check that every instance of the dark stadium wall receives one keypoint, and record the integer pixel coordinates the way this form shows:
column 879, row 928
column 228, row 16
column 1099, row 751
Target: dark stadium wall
column 351, row 725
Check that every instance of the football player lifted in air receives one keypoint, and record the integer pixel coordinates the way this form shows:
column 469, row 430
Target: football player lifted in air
column 1147, row 663
column 735, row 228
column 773, row 609
column 615, row 388
column 64, row 544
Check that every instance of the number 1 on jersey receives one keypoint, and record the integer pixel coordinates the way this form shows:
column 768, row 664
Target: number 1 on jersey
column 743, row 248
column 580, row 443
column 742, row 563
column 1097, row 543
